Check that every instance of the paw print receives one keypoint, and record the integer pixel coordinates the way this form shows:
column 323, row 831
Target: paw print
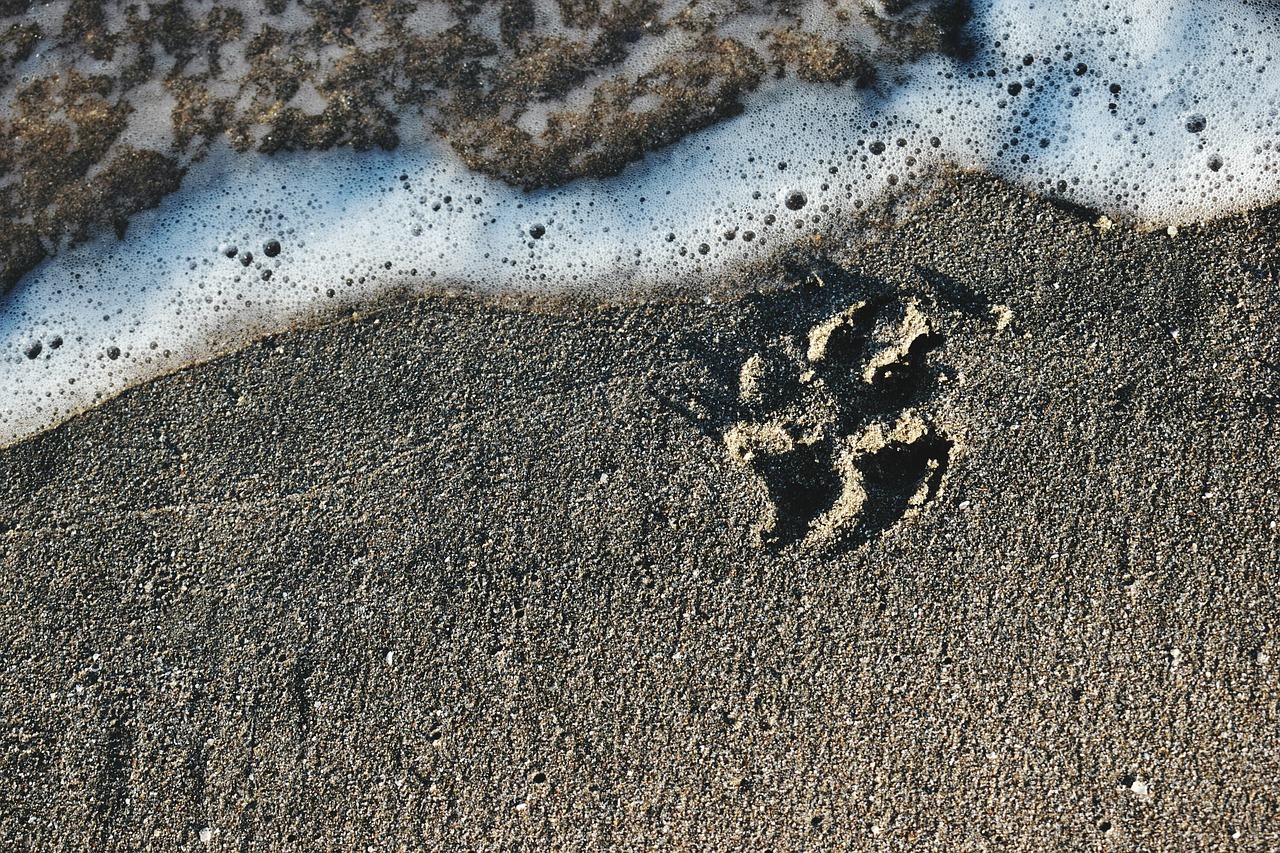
column 832, row 424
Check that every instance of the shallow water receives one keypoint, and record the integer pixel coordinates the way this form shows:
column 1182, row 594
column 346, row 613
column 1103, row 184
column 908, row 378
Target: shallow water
column 1152, row 112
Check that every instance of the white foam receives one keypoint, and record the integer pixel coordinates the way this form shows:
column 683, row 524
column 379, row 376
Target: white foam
column 168, row 294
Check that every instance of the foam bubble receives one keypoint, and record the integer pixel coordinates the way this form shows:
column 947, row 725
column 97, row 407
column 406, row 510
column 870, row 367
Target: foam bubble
column 1160, row 112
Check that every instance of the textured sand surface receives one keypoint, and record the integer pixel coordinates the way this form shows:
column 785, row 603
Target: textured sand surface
column 464, row 574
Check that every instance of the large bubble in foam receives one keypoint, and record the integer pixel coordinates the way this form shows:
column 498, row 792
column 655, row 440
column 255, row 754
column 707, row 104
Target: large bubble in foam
column 1154, row 111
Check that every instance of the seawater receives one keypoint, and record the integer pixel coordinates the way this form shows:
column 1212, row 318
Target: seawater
column 1158, row 113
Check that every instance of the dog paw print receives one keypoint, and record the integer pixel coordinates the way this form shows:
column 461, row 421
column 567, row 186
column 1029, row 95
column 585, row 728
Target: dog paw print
column 833, row 424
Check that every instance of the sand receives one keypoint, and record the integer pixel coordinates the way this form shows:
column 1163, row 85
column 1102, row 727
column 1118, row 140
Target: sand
column 458, row 574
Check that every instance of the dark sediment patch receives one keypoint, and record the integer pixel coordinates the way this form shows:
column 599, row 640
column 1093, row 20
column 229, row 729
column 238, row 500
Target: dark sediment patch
column 534, row 100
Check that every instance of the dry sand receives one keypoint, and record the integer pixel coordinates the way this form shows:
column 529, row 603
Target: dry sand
column 457, row 574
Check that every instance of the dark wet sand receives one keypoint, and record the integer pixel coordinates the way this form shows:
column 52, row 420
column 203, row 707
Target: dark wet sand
column 459, row 574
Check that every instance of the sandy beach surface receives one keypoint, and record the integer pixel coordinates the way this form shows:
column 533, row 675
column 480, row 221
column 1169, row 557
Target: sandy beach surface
column 969, row 544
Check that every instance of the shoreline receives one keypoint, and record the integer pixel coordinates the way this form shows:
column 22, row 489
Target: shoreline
column 457, row 574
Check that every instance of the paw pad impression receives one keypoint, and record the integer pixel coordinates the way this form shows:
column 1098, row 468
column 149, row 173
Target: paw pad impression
column 833, row 425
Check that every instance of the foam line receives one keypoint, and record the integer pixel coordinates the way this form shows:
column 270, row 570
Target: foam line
column 1161, row 112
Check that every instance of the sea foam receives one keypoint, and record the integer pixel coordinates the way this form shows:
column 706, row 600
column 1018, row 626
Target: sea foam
column 1159, row 113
